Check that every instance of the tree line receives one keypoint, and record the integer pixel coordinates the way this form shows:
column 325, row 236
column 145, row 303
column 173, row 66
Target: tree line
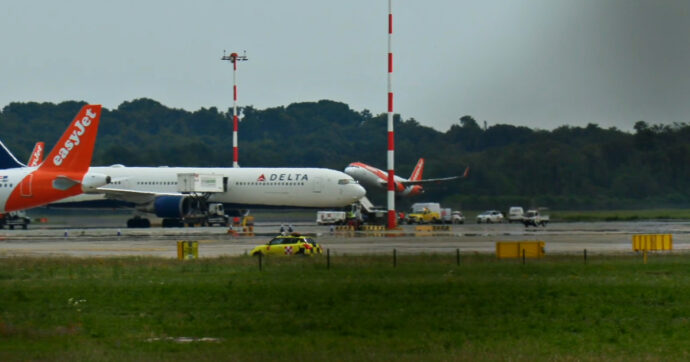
column 565, row 168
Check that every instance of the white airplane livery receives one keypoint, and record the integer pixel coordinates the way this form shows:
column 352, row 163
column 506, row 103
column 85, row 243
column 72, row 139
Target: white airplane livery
column 155, row 189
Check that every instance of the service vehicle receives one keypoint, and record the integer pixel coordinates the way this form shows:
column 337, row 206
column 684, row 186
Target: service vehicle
column 293, row 244
column 216, row 215
column 534, row 218
column 198, row 212
column 331, row 217
column 490, row 216
column 457, row 217
column 14, row 218
column 515, row 213
column 426, row 216
column 418, row 207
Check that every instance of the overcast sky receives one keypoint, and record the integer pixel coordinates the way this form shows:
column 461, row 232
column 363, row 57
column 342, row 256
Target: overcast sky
column 539, row 63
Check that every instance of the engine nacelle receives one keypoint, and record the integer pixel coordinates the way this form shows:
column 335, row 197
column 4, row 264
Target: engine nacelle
column 93, row 181
column 172, row 206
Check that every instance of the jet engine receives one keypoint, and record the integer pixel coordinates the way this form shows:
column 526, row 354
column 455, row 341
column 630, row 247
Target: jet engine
column 172, row 206
column 93, row 181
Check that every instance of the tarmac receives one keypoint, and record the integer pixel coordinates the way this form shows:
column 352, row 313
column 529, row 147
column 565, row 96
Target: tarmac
column 68, row 239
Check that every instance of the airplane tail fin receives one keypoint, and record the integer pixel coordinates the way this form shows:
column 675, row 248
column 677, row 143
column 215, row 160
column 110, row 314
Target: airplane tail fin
column 7, row 159
column 417, row 172
column 36, row 155
column 74, row 150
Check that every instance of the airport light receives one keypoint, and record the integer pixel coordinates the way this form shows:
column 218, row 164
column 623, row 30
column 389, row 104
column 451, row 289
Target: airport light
column 234, row 58
column 392, row 217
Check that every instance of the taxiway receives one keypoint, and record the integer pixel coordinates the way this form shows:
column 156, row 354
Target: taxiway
column 560, row 238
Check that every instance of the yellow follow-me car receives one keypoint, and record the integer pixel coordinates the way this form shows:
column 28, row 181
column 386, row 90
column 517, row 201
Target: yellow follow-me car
column 294, row 244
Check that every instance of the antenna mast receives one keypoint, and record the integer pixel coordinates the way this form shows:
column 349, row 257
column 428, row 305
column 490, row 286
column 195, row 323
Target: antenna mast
column 392, row 217
column 234, row 58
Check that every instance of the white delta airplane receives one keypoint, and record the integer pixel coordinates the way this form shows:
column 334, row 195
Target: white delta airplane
column 372, row 177
column 155, row 190
column 65, row 172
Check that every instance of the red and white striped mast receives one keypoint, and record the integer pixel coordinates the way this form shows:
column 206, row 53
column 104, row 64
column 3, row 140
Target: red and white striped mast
column 234, row 58
column 392, row 218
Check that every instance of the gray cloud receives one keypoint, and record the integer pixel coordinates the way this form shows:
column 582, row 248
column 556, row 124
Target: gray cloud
column 541, row 63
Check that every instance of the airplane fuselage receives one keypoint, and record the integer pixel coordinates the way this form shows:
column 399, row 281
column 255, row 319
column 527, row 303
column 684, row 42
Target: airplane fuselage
column 246, row 186
column 27, row 187
column 371, row 177
column 10, row 180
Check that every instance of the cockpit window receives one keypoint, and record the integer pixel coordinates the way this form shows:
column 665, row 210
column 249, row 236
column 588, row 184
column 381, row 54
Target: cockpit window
column 346, row 181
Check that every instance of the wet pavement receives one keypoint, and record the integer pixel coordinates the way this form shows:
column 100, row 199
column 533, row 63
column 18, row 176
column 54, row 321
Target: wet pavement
column 560, row 238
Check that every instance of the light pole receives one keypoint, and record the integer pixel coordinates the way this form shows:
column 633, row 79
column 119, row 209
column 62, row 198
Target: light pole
column 234, row 58
column 392, row 217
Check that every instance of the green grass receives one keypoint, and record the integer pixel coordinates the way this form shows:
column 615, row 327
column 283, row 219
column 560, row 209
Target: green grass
column 428, row 308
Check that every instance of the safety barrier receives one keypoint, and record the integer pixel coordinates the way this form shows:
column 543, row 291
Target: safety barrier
column 187, row 250
column 519, row 249
column 345, row 228
column 432, row 228
column 642, row 242
column 372, row 228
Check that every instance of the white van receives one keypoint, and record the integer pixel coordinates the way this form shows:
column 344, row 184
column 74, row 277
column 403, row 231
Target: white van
column 330, row 217
column 516, row 213
column 419, row 207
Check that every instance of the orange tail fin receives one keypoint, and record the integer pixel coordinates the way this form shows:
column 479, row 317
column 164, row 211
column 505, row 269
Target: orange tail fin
column 417, row 172
column 74, row 150
column 36, row 154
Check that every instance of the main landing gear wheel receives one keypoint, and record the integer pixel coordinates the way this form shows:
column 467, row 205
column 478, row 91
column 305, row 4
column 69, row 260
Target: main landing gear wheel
column 138, row 222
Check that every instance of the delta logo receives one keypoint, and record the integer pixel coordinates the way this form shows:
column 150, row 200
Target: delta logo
column 74, row 139
column 284, row 177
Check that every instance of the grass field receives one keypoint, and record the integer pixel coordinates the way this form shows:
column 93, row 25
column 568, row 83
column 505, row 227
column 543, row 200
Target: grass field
column 426, row 308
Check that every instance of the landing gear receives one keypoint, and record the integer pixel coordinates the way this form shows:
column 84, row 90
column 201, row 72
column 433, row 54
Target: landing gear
column 138, row 222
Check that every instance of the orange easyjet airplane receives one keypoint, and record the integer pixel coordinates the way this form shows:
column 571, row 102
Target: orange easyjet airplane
column 372, row 177
column 36, row 155
column 64, row 172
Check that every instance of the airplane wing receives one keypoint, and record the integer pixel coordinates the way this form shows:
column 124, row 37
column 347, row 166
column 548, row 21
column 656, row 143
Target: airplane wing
column 135, row 197
column 420, row 182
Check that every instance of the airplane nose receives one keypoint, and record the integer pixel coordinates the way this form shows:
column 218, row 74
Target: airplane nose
column 358, row 191
column 348, row 170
